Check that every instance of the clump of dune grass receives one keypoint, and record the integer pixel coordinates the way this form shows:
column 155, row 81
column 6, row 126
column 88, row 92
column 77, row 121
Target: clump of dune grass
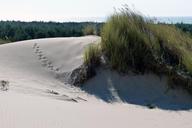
column 132, row 41
column 89, row 30
column 177, row 43
column 92, row 54
column 87, row 70
column 126, row 41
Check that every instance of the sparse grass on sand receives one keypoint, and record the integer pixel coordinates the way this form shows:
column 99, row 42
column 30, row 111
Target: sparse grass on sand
column 131, row 41
column 92, row 54
column 89, row 30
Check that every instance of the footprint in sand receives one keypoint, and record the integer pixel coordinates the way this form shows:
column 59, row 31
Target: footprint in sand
column 50, row 67
column 43, row 59
column 34, row 46
column 40, row 52
column 44, row 64
column 40, row 55
column 57, row 69
column 36, row 51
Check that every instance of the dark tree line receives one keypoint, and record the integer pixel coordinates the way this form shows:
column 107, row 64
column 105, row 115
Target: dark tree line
column 16, row 30
column 185, row 27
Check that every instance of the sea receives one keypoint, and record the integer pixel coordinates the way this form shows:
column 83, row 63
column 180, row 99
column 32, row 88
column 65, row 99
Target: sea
column 173, row 20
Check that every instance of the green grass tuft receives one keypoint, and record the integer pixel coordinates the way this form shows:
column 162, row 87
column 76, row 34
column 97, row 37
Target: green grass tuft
column 131, row 41
column 126, row 41
column 89, row 30
column 177, row 42
column 92, row 54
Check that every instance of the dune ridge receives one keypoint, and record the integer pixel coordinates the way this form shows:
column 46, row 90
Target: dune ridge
column 38, row 96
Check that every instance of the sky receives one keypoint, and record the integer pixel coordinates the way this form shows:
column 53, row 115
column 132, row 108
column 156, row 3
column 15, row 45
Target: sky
column 80, row 10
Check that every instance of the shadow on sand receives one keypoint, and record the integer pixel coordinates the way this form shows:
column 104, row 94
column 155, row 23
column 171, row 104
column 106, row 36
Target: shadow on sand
column 143, row 90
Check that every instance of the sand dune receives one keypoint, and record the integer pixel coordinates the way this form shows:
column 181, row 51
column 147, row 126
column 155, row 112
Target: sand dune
column 37, row 98
column 32, row 66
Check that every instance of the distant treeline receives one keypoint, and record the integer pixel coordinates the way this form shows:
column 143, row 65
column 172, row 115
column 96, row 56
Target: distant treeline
column 17, row 31
column 185, row 27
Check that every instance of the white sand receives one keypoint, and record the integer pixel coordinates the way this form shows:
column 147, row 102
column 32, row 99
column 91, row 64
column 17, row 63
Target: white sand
column 32, row 66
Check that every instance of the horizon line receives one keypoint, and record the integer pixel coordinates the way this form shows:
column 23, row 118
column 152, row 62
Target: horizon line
column 91, row 19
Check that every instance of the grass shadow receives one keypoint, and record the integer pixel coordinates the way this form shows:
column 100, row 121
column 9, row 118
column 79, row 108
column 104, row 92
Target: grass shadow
column 144, row 90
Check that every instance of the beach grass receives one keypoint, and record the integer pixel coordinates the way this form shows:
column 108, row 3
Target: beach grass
column 132, row 41
column 92, row 54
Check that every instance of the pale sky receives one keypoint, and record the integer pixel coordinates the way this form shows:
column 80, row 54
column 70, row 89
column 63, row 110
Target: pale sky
column 70, row 10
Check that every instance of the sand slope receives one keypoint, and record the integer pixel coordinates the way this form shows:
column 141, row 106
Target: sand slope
column 39, row 112
column 38, row 99
column 32, row 66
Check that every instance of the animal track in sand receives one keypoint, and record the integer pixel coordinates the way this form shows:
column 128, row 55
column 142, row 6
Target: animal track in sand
column 44, row 60
column 60, row 75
